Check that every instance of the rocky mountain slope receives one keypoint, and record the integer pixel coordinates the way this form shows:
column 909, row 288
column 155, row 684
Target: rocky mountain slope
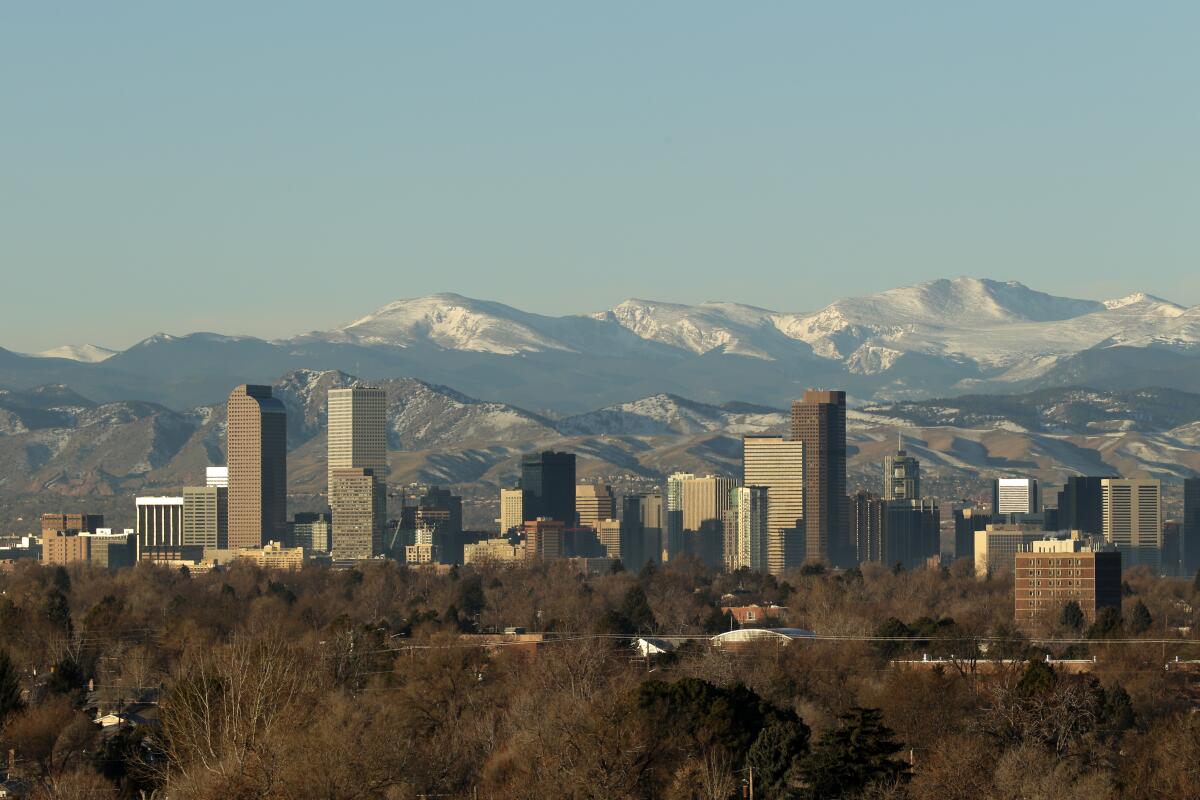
column 935, row 339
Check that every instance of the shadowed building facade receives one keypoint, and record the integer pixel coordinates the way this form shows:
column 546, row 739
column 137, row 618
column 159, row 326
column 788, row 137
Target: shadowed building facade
column 1189, row 545
column 548, row 486
column 256, row 447
column 819, row 421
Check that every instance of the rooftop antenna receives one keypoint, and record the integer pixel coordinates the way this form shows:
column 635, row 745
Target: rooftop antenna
column 899, row 440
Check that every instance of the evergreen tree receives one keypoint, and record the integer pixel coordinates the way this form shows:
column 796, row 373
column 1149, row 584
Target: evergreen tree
column 60, row 580
column 58, row 611
column 729, row 718
column 1108, row 622
column 1139, row 618
column 775, row 757
column 1071, row 616
column 10, row 688
column 1039, row 679
column 894, row 630
column 1117, row 711
column 471, row 598
column 860, row 751
column 636, row 609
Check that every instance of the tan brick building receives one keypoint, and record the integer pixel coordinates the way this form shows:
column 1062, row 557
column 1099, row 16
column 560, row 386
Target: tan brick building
column 60, row 549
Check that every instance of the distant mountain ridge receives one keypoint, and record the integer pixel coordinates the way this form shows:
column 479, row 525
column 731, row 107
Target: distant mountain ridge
column 934, row 339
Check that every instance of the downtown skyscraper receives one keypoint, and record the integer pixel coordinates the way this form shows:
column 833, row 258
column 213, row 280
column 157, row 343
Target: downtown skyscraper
column 358, row 430
column 548, row 486
column 819, row 421
column 357, row 470
column 778, row 466
column 256, row 452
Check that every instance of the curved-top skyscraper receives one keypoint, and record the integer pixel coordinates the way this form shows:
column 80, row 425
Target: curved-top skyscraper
column 256, row 452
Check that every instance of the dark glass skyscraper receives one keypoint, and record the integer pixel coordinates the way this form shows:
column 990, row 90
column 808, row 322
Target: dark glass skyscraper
column 548, row 486
column 1190, row 544
column 819, row 420
column 1079, row 505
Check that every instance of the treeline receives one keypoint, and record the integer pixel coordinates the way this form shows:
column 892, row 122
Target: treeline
column 372, row 683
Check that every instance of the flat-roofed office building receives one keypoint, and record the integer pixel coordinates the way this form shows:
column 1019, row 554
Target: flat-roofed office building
column 753, row 527
column 642, row 530
column 357, row 502
column 594, row 502
column 544, row 539
column 357, row 437
column 512, row 510
column 1131, row 510
column 1015, row 496
column 778, row 465
column 996, row 546
column 256, row 447
column 159, row 520
column 205, row 517
column 608, row 531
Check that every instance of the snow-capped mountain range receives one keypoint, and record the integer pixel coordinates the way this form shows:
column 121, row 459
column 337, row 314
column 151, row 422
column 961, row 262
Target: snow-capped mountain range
column 969, row 319
column 937, row 338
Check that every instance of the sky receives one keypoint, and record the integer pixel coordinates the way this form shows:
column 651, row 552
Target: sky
column 272, row 168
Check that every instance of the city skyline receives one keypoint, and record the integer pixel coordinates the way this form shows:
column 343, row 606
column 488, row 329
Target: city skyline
column 647, row 402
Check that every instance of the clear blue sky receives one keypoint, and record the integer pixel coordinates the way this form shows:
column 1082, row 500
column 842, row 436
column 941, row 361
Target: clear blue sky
column 271, row 168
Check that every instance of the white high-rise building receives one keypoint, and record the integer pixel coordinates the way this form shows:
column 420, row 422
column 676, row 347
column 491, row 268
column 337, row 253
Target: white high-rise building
column 358, row 430
column 778, row 464
column 217, row 477
column 159, row 520
column 1015, row 496
column 1131, row 519
column 753, row 512
column 358, row 468
column 512, row 510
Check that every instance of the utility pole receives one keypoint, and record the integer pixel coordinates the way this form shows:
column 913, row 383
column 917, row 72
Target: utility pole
column 751, row 783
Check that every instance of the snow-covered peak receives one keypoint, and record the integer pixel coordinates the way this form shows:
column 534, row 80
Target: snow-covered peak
column 85, row 353
column 735, row 328
column 453, row 322
column 963, row 300
column 1145, row 304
